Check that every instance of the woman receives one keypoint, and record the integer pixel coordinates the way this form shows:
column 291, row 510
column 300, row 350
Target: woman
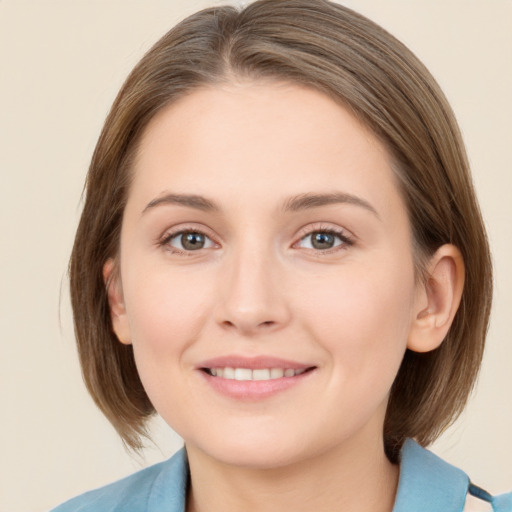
column 282, row 254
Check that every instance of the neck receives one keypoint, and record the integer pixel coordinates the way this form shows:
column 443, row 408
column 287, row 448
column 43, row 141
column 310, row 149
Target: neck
column 353, row 477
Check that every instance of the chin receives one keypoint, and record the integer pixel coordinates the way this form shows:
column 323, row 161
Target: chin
column 252, row 451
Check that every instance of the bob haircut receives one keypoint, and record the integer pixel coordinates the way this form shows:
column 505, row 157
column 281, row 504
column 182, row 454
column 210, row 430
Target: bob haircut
column 330, row 48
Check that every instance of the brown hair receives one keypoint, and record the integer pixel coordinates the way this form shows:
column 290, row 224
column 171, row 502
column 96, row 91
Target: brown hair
column 335, row 50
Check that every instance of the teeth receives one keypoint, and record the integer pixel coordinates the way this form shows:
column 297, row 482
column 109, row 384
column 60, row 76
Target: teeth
column 276, row 373
column 228, row 373
column 243, row 374
column 259, row 374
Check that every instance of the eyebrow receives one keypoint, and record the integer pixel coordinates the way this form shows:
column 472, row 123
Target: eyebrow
column 190, row 200
column 307, row 201
column 293, row 204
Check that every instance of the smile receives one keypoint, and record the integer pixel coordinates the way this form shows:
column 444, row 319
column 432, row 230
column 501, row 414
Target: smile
column 253, row 378
column 254, row 374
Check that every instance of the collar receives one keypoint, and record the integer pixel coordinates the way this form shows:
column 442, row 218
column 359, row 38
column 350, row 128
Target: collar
column 426, row 483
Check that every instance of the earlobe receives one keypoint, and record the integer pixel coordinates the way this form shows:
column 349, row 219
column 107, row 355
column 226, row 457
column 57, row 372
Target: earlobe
column 437, row 300
column 118, row 315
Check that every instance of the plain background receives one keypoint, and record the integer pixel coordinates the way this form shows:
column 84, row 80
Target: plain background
column 62, row 63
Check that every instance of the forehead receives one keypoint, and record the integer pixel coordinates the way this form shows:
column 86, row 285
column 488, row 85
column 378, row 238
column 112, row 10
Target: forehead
column 260, row 139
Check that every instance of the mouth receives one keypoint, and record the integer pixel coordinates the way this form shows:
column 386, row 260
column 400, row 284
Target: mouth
column 253, row 378
column 255, row 374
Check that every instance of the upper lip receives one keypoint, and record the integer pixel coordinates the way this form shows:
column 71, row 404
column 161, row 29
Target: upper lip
column 252, row 363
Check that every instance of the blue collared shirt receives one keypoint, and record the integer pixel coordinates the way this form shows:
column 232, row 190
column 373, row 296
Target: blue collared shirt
column 426, row 484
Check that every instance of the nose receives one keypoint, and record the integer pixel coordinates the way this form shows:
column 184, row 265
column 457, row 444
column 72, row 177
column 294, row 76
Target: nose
column 252, row 294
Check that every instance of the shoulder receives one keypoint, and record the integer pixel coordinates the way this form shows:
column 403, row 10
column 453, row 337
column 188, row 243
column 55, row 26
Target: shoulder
column 480, row 500
column 139, row 492
column 476, row 505
column 429, row 484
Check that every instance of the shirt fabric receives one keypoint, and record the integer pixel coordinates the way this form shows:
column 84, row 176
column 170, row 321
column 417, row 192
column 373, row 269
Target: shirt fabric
column 426, row 484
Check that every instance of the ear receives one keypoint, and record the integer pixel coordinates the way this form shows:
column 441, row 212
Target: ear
column 437, row 299
column 118, row 315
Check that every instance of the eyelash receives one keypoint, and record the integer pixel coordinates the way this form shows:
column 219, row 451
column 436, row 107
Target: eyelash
column 166, row 239
column 346, row 240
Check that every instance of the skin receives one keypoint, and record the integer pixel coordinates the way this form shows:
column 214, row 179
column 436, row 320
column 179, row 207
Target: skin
column 259, row 287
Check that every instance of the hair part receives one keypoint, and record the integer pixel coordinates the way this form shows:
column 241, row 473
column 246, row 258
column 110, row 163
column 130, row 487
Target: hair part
column 331, row 48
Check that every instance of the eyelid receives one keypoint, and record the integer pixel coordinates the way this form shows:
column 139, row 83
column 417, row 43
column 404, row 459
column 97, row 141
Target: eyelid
column 169, row 234
column 347, row 238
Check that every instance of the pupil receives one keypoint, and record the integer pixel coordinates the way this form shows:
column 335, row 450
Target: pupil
column 322, row 240
column 192, row 241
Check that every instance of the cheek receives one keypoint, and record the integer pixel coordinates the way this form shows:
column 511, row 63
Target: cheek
column 167, row 313
column 167, row 310
column 363, row 317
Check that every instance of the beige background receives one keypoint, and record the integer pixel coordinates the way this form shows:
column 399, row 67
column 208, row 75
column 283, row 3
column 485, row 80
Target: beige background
column 62, row 62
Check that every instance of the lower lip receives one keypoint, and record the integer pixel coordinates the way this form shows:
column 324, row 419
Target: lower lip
column 253, row 389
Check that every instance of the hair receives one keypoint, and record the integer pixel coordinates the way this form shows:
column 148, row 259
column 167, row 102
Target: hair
column 323, row 45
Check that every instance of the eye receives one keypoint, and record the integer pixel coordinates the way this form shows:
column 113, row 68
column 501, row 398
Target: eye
column 323, row 240
column 189, row 241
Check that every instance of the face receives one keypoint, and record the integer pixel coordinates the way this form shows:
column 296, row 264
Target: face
column 266, row 274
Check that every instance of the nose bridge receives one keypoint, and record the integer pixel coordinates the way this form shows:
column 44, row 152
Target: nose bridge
column 252, row 299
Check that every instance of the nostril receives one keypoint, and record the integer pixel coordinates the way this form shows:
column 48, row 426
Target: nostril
column 247, row 327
